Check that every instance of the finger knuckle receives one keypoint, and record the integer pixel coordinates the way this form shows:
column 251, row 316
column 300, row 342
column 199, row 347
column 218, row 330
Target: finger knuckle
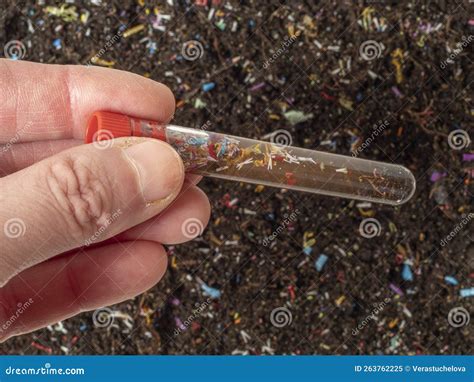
column 81, row 193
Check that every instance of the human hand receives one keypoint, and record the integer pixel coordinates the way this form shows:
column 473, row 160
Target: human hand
column 55, row 197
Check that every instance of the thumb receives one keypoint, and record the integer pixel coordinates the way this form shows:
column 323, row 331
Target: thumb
column 83, row 196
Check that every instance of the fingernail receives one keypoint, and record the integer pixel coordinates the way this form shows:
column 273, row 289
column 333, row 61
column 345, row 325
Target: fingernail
column 160, row 168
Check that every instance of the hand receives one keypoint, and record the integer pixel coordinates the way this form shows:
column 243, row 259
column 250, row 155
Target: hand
column 78, row 225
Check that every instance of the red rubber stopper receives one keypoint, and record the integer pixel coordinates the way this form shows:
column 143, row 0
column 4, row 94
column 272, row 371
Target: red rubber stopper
column 104, row 125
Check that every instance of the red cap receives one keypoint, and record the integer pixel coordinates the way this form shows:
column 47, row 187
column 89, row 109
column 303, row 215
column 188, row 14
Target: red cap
column 104, row 125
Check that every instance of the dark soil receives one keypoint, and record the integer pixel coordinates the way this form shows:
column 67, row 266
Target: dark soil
column 326, row 306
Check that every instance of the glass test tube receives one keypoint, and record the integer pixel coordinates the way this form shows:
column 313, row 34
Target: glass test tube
column 259, row 162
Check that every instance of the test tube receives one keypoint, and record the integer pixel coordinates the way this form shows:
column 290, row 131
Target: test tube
column 248, row 160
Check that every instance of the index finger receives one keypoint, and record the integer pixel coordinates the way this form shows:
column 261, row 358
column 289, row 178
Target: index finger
column 51, row 102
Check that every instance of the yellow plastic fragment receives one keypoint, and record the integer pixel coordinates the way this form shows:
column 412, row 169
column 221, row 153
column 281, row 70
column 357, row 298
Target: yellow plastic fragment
column 101, row 62
column 308, row 239
column 291, row 30
column 366, row 213
column 308, row 21
column 84, row 17
column 131, row 31
column 367, row 17
column 346, row 103
column 392, row 227
column 68, row 14
column 237, row 318
column 340, row 300
column 397, row 61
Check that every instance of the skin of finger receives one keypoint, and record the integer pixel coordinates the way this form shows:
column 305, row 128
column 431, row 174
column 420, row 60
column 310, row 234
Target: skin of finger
column 44, row 102
column 50, row 228
column 186, row 217
column 18, row 156
column 167, row 227
column 173, row 234
column 67, row 285
column 193, row 178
